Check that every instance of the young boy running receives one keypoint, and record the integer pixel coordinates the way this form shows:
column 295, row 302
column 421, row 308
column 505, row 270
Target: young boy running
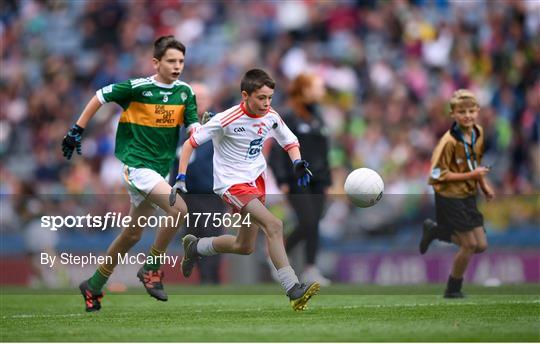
column 455, row 176
column 154, row 108
column 238, row 135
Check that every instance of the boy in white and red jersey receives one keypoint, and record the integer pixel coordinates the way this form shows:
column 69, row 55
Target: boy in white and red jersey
column 238, row 135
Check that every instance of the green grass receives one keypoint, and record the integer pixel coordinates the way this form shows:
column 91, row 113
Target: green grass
column 262, row 314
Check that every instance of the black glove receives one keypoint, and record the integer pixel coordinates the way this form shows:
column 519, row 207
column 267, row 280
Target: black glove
column 179, row 187
column 301, row 172
column 72, row 141
column 207, row 115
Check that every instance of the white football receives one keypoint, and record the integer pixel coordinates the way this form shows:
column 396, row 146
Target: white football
column 364, row 187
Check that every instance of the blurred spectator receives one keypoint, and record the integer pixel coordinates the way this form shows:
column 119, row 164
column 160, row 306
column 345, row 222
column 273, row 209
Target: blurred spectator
column 306, row 121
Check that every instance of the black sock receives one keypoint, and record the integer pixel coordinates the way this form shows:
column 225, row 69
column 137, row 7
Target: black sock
column 454, row 284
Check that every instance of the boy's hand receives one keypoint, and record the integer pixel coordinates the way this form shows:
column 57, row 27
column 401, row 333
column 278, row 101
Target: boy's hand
column 179, row 187
column 302, row 173
column 480, row 172
column 72, row 141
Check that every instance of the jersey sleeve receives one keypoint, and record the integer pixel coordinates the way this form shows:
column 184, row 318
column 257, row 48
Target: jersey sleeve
column 283, row 135
column 191, row 120
column 205, row 133
column 440, row 161
column 119, row 93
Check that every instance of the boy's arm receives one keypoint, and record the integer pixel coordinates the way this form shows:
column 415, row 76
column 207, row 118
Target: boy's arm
column 72, row 140
column 486, row 188
column 89, row 111
column 120, row 93
column 198, row 137
column 477, row 174
column 294, row 153
column 289, row 142
column 180, row 185
column 191, row 119
column 185, row 155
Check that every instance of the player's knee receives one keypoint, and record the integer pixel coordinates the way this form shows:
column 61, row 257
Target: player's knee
column 132, row 236
column 469, row 247
column 245, row 249
column 178, row 208
column 481, row 247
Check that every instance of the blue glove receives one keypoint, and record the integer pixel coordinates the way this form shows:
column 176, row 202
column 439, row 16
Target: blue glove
column 207, row 115
column 72, row 141
column 301, row 172
column 179, row 187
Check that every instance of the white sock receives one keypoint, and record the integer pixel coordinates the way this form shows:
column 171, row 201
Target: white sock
column 205, row 247
column 287, row 277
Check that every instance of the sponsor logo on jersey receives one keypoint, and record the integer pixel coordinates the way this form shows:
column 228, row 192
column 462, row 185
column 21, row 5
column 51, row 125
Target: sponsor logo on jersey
column 153, row 115
column 239, row 130
column 147, row 94
column 255, row 148
column 166, row 115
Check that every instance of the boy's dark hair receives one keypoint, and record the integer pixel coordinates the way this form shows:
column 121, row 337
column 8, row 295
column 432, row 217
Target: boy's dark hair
column 255, row 79
column 167, row 42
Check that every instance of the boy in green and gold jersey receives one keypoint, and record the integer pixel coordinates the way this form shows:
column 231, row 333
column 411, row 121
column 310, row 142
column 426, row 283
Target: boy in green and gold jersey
column 154, row 108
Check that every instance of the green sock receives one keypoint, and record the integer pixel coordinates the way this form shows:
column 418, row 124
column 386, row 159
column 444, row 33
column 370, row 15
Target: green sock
column 98, row 280
column 153, row 264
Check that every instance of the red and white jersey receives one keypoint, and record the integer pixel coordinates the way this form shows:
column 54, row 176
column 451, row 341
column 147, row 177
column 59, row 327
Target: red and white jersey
column 238, row 137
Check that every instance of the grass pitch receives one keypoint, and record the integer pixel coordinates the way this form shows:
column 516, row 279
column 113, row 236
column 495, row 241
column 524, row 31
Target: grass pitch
column 262, row 313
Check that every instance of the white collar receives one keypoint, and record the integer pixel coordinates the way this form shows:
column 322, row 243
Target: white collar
column 160, row 84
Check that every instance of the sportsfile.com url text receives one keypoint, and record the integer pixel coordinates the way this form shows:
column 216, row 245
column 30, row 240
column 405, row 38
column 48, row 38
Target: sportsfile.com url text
column 117, row 220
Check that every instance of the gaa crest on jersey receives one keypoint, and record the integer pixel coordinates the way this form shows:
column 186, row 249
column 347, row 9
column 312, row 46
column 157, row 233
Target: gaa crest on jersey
column 147, row 94
column 254, row 149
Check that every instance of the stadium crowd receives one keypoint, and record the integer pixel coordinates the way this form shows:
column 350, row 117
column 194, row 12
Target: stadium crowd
column 389, row 66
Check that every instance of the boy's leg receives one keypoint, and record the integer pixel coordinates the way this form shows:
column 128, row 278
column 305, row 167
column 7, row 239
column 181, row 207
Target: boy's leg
column 467, row 247
column 160, row 196
column 481, row 240
column 273, row 229
column 429, row 233
column 209, row 266
column 194, row 248
column 92, row 288
column 299, row 294
column 244, row 243
column 150, row 274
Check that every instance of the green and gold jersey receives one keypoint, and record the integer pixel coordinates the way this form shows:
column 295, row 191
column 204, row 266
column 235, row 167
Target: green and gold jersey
column 149, row 126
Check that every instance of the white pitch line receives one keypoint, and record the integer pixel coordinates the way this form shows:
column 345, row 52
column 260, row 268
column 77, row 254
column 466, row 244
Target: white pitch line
column 17, row 316
column 439, row 304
